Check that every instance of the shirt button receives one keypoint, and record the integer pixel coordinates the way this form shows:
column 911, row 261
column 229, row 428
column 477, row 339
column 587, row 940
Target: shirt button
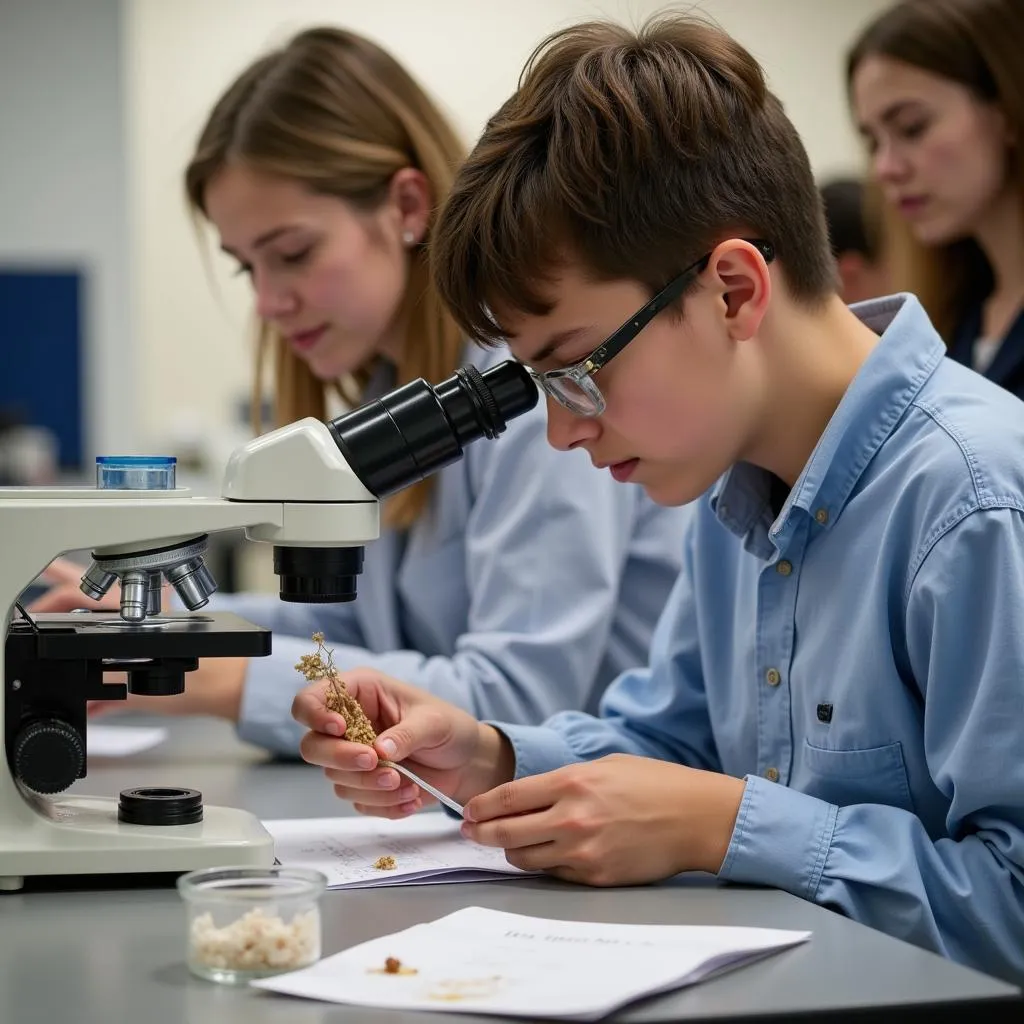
column 771, row 774
column 784, row 568
column 821, row 516
column 772, row 677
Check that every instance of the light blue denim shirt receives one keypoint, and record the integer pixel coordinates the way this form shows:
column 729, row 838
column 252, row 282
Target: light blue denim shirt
column 532, row 581
column 859, row 660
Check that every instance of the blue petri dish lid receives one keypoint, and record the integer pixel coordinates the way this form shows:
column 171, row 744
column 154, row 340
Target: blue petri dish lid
column 136, row 472
column 136, row 460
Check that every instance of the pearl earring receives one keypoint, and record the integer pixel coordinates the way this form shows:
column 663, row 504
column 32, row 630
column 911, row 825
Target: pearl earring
column 408, row 237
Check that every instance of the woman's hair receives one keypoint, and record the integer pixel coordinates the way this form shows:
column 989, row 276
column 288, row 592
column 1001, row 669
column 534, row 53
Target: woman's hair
column 333, row 111
column 977, row 44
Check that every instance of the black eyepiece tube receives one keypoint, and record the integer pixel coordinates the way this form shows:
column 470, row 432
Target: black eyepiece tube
column 417, row 429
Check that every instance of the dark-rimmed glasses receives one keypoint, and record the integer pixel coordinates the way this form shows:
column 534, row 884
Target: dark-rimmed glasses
column 574, row 387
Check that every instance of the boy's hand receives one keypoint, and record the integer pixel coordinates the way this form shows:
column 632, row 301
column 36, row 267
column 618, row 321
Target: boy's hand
column 446, row 746
column 620, row 820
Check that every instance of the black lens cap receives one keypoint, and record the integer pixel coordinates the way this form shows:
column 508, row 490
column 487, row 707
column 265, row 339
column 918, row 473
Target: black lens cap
column 155, row 805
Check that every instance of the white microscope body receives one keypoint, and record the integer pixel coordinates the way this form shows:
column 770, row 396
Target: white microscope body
column 326, row 507
column 311, row 489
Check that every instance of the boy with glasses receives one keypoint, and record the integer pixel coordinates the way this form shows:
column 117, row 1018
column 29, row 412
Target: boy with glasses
column 835, row 699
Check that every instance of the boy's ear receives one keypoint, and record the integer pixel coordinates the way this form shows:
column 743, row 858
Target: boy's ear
column 741, row 276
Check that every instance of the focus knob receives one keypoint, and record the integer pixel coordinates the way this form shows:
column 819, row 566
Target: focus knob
column 48, row 755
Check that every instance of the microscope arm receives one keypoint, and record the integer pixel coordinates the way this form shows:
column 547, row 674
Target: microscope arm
column 311, row 490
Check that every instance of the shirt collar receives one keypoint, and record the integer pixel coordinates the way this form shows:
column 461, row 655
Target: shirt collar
column 906, row 355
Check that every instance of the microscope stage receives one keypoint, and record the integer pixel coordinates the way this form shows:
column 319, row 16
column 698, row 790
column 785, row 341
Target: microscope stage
column 168, row 635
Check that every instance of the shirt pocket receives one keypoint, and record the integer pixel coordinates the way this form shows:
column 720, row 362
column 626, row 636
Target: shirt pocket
column 875, row 775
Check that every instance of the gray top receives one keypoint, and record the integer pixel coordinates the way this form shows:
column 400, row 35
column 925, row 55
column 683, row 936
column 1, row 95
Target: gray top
column 110, row 955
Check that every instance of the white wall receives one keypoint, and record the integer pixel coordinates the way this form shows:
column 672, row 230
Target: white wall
column 63, row 183
column 467, row 52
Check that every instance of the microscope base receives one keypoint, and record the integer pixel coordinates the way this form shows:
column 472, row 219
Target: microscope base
column 81, row 835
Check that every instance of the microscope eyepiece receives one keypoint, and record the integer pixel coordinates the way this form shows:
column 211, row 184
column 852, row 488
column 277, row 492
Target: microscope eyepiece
column 417, row 429
column 392, row 442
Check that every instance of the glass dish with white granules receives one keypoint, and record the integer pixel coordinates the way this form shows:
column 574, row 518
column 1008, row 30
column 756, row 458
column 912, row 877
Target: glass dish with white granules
column 246, row 923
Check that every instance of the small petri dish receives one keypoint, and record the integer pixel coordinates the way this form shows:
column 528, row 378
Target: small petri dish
column 136, row 472
column 245, row 923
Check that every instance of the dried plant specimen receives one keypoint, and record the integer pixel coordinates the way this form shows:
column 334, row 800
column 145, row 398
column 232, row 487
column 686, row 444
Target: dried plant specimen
column 320, row 665
column 392, row 965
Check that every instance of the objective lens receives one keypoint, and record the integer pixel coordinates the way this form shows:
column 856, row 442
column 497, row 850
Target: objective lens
column 192, row 582
column 133, row 596
column 97, row 581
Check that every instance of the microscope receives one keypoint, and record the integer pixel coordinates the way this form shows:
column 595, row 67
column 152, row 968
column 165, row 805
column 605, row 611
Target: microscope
column 310, row 489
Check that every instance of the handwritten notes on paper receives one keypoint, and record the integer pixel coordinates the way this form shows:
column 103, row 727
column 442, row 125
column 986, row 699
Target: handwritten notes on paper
column 360, row 853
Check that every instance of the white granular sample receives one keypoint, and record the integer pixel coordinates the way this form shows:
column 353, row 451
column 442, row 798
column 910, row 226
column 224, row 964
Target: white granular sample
column 256, row 941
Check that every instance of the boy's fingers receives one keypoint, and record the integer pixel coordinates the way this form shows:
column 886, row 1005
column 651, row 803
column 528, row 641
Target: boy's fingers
column 309, row 709
column 328, row 752
column 419, row 728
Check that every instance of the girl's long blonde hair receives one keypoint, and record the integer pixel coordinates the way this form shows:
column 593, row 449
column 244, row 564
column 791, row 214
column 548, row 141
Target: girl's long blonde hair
column 334, row 111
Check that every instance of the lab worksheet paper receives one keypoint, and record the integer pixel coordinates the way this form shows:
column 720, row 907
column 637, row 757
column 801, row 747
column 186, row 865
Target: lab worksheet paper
column 425, row 849
column 488, row 961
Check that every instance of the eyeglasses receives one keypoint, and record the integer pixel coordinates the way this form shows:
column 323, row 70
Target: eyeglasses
column 574, row 387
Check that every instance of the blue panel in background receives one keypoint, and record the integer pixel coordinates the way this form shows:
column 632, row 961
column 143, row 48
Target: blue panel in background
column 41, row 354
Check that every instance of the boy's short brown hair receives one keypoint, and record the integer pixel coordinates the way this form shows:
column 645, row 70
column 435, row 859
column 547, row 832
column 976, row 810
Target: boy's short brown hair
column 632, row 154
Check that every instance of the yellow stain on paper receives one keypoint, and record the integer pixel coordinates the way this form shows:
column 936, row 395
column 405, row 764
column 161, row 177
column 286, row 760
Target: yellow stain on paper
column 456, row 990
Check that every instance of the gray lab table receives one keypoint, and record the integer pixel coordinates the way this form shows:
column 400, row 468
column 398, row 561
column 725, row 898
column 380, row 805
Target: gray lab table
column 115, row 954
